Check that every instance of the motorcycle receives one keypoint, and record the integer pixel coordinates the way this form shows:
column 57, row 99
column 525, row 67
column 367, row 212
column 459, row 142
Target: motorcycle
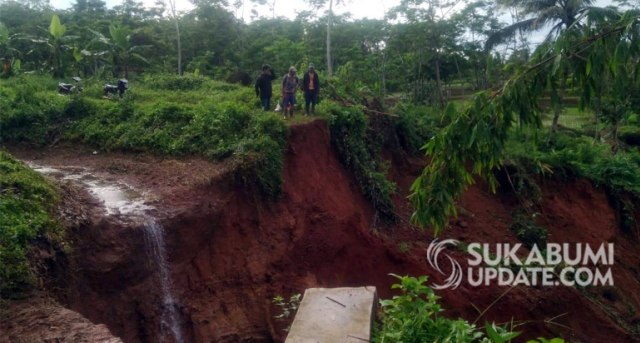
column 68, row 88
column 120, row 88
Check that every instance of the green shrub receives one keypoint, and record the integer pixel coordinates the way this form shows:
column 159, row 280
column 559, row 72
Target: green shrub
column 26, row 204
column 174, row 82
column 415, row 125
column 164, row 114
column 32, row 119
column 580, row 156
column 217, row 131
column 348, row 127
column 528, row 231
column 103, row 126
column 630, row 135
column 264, row 170
column 567, row 156
column 268, row 137
column 33, row 111
column 415, row 316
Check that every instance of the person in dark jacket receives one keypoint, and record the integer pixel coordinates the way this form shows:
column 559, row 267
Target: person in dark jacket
column 263, row 86
column 311, row 88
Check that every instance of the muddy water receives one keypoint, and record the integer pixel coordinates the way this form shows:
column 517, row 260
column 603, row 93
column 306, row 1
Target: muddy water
column 121, row 199
column 117, row 197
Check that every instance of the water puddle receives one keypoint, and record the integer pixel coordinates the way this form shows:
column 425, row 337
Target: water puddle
column 117, row 197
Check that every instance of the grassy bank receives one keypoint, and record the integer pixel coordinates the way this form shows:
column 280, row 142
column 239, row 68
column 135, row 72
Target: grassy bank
column 27, row 202
column 189, row 115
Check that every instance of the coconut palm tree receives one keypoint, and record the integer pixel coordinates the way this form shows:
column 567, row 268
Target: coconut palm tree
column 562, row 14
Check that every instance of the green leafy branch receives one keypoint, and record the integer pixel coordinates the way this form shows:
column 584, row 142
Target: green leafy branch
column 474, row 141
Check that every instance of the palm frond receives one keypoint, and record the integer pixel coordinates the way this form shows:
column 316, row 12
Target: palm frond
column 506, row 32
column 600, row 14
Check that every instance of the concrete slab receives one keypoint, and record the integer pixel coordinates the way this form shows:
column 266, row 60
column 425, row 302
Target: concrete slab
column 334, row 315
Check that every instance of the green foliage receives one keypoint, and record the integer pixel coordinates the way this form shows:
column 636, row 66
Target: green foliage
column 212, row 120
column 174, row 82
column 474, row 141
column 523, row 181
column 544, row 340
column 570, row 157
column 348, row 128
column 415, row 125
column 56, row 29
column 497, row 334
column 26, row 204
column 10, row 64
column 4, row 34
column 630, row 135
column 415, row 316
column 583, row 157
column 527, row 230
column 288, row 307
column 382, row 55
column 57, row 45
column 475, row 136
column 32, row 114
column 216, row 131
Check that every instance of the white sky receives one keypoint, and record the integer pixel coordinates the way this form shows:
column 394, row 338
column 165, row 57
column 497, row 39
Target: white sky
column 373, row 9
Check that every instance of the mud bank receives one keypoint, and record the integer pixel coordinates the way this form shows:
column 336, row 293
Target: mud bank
column 229, row 252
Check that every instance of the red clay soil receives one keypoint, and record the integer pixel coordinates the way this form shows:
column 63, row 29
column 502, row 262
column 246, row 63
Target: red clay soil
column 42, row 319
column 231, row 251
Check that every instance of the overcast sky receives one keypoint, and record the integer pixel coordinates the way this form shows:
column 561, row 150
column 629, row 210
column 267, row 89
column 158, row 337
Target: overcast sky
column 373, row 9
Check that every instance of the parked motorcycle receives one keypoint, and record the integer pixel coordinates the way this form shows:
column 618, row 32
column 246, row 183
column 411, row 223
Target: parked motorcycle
column 68, row 88
column 120, row 88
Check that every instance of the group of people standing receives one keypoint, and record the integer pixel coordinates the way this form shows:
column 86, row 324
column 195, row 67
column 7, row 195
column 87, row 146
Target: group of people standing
column 290, row 84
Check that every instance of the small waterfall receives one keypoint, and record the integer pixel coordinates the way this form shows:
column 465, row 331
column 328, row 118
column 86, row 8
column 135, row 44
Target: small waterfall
column 120, row 199
column 154, row 240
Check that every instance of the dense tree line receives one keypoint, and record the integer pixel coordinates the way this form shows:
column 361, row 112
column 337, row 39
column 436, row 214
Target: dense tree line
column 420, row 48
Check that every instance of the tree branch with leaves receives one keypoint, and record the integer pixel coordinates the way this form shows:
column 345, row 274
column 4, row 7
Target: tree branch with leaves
column 472, row 145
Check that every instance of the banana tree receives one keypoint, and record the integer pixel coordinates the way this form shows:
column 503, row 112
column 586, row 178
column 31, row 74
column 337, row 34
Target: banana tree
column 119, row 46
column 58, row 44
column 9, row 63
column 88, row 60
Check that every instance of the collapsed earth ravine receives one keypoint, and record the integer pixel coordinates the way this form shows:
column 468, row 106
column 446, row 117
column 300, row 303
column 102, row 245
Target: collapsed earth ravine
column 220, row 253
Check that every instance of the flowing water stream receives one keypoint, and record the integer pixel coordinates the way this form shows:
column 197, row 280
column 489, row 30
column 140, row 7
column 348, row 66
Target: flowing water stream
column 121, row 199
column 154, row 240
